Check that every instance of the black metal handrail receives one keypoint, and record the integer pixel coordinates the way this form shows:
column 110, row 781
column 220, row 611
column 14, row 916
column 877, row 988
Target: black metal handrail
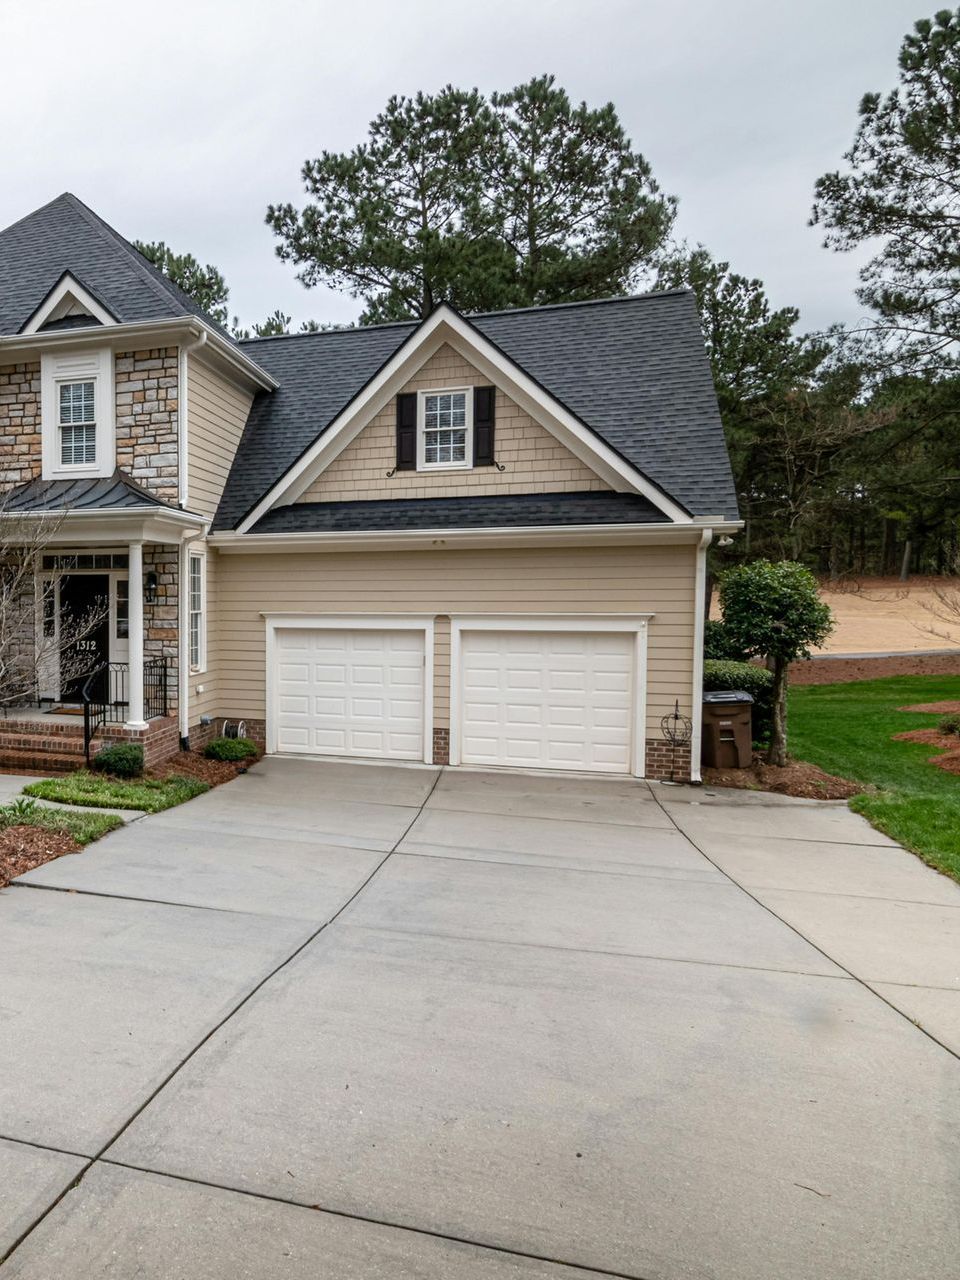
column 105, row 701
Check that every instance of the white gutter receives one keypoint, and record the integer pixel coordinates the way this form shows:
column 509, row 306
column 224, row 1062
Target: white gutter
column 120, row 335
column 434, row 539
column 182, row 488
column 699, row 605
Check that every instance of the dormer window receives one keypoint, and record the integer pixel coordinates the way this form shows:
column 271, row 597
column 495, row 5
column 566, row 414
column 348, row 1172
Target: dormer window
column 445, row 435
column 77, row 410
column 78, row 424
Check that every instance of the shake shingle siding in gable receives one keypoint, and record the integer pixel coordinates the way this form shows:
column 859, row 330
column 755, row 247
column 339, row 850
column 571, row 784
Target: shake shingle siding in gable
column 633, row 370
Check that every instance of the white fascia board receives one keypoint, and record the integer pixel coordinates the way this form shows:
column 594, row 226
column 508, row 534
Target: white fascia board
column 137, row 335
column 443, row 539
column 68, row 285
column 446, row 326
column 119, row 524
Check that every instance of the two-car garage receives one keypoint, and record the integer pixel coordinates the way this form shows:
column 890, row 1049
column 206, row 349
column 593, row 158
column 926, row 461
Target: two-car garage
column 535, row 693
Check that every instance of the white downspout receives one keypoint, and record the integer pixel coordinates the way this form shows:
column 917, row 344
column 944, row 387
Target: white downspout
column 183, row 655
column 699, row 605
column 182, row 483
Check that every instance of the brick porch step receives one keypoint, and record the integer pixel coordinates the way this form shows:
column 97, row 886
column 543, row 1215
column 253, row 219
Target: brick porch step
column 39, row 761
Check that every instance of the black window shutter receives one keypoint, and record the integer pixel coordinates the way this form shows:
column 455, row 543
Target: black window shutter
column 484, row 399
column 407, row 431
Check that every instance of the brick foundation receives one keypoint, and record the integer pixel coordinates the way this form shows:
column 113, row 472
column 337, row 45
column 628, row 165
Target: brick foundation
column 664, row 762
column 60, row 746
column 441, row 746
column 201, row 734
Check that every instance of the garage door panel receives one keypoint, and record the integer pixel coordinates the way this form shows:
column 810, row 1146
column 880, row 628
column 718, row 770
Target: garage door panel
column 549, row 700
column 359, row 692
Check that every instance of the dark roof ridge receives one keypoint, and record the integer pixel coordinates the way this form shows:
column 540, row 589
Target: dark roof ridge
column 647, row 295
column 156, row 279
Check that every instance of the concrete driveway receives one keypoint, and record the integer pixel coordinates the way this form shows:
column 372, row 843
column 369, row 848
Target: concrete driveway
column 344, row 1021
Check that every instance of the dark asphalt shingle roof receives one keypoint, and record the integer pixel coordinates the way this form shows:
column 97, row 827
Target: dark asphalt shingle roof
column 66, row 236
column 104, row 494
column 633, row 370
column 481, row 512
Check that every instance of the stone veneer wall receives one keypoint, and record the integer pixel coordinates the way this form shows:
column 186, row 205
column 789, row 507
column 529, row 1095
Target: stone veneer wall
column 19, row 423
column 148, row 418
column 161, row 621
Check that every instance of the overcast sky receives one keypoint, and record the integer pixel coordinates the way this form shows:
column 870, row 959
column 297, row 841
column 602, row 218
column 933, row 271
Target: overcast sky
column 182, row 120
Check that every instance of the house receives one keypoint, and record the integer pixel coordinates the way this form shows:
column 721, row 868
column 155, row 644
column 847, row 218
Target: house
column 474, row 540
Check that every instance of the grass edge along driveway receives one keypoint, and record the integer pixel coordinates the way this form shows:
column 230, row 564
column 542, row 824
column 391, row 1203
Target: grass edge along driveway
column 848, row 730
column 99, row 791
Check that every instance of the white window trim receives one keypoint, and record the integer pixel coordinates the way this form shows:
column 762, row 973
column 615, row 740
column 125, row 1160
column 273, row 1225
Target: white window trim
column 634, row 623
column 350, row 622
column 56, row 368
column 467, row 463
column 198, row 667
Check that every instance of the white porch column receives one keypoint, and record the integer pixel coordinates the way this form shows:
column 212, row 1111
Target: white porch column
column 135, row 688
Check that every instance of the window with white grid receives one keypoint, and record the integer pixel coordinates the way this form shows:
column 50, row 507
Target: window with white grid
column 446, row 426
column 195, row 600
column 78, row 423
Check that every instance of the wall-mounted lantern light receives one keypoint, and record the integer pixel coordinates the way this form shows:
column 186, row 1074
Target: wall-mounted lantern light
column 150, row 584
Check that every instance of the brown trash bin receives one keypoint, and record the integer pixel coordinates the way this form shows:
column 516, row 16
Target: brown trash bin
column 727, row 730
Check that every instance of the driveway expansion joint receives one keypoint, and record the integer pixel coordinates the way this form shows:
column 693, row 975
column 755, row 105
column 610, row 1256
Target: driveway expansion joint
column 585, row 1268
column 863, row 982
column 92, row 1160
column 596, row 951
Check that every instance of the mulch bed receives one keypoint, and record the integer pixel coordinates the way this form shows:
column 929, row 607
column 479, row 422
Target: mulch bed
column 192, row 765
column 796, row 779
column 947, row 745
column 23, row 848
column 934, row 708
column 846, row 670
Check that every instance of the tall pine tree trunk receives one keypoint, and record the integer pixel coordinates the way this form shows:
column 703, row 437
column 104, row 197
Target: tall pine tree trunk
column 777, row 752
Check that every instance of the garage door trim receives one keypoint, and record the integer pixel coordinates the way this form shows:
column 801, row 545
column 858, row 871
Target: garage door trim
column 634, row 624
column 350, row 622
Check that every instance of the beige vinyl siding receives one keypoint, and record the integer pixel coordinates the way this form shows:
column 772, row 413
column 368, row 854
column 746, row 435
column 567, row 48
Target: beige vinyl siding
column 658, row 580
column 206, row 703
column 216, row 415
column 534, row 461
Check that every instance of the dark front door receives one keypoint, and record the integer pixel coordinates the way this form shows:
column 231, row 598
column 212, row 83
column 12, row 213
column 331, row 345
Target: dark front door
column 85, row 631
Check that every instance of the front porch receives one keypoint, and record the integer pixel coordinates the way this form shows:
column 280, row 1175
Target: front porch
column 50, row 742
column 103, row 641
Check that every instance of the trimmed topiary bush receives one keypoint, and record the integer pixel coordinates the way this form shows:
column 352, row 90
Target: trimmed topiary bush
column 230, row 749
column 717, row 643
column 123, row 760
column 950, row 724
column 745, row 676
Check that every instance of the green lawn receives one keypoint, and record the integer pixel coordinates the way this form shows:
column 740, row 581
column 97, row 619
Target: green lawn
column 97, row 791
column 847, row 729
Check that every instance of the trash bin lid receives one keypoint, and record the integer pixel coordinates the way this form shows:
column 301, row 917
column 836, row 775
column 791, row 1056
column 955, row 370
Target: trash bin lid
column 727, row 696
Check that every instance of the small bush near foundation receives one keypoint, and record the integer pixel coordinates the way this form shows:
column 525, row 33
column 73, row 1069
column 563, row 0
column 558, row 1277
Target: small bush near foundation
column 123, row 760
column 950, row 724
column 749, row 678
column 230, row 749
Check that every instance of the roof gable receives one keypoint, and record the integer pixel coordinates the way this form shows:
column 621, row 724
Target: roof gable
column 65, row 237
column 528, row 457
column 69, row 305
column 446, row 325
column 634, row 370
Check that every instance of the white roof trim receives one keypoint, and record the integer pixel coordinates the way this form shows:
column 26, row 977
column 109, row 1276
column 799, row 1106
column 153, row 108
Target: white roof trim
column 67, row 287
column 446, row 326
column 440, row 539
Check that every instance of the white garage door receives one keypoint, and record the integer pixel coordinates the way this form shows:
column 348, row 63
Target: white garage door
column 350, row 693
column 547, row 700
